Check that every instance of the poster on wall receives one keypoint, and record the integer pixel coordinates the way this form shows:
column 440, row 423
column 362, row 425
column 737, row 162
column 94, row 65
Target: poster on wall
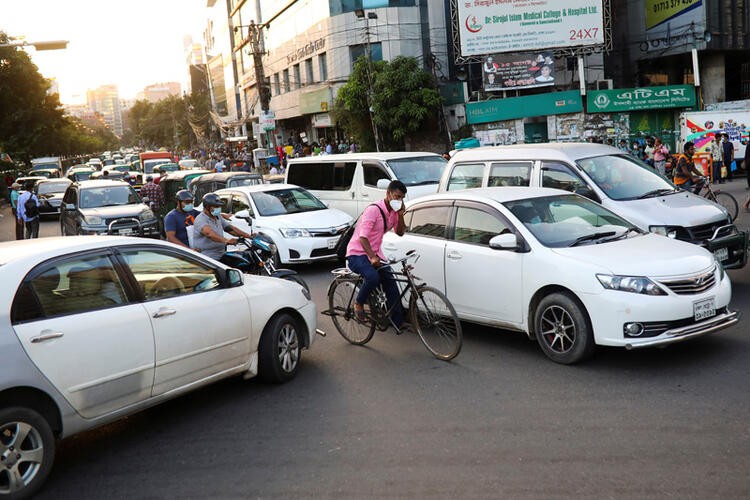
column 672, row 26
column 492, row 26
column 518, row 71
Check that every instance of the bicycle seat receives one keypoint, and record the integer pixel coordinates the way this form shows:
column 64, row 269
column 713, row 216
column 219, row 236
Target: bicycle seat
column 343, row 271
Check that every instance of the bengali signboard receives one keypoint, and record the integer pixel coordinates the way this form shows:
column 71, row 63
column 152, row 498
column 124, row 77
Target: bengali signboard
column 554, row 103
column 492, row 26
column 518, row 71
column 613, row 101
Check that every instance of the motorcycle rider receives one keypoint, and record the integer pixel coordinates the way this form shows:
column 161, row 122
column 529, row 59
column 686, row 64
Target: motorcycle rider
column 178, row 219
column 209, row 228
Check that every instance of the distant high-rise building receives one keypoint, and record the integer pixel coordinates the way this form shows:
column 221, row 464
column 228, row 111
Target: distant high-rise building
column 105, row 100
column 159, row 91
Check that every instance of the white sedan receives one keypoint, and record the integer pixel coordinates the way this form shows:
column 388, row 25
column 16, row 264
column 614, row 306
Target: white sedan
column 96, row 328
column 563, row 269
column 303, row 228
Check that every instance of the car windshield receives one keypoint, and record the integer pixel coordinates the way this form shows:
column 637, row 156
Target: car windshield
column 245, row 181
column 148, row 165
column 168, row 167
column 569, row 220
column 81, row 176
column 622, row 177
column 419, row 170
column 51, row 187
column 285, row 201
column 120, row 168
column 37, row 166
column 108, row 196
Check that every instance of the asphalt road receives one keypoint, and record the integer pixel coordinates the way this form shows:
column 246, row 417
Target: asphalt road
column 388, row 420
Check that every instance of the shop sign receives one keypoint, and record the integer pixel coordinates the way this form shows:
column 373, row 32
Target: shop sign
column 306, row 50
column 267, row 120
column 553, row 103
column 616, row 100
column 322, row 120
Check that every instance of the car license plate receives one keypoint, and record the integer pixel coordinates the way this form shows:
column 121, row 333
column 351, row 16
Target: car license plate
column 704, row 309
column 125, row 232
column 721, row 254
column 332, row 243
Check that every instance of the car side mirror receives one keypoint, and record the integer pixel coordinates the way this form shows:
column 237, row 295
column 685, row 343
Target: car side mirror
column 383, row 183
column 506, row 241
column 234, row 278
column 244, row 215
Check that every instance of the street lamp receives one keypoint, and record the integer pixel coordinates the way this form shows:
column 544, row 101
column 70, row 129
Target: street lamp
column 360, row 13
column 48, row 45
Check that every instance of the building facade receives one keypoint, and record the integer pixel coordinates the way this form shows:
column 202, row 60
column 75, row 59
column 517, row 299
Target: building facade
column 105, row 100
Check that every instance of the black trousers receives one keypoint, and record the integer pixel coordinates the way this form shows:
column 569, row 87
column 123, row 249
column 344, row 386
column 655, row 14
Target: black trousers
column 19, row 225
column 32, row 228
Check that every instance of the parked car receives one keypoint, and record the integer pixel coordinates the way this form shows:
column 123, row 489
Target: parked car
column 106, row 207
column 212, row 182
column 49, row 173
column 80, row 174
column 50, row 194
column 563, row 269
column 97, row 328
column 175, row 181
column 299, row 224
column 608, row 176
column 350, row 182
column 188, row 164
column 23, row 180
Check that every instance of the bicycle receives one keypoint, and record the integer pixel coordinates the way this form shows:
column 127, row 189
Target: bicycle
column 726, row 200
column 431, row 313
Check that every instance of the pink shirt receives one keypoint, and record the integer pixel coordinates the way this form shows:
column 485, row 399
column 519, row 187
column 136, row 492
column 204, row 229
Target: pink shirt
column 370, row 225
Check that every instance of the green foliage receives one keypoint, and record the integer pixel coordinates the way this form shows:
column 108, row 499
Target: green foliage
column 405, row 101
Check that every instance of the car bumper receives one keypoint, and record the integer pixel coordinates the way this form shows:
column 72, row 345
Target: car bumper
column 309, row 314
column 730, row 250
column 719, row 322
column 301, row 250
column 147, row 229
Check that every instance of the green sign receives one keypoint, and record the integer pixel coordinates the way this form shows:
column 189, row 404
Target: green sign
column 552, row 103
column 613, row 101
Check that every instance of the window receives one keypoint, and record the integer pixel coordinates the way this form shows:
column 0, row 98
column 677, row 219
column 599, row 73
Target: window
column 327, row 176
column 323, row 67
column 285, row 201
column 357, row 51
column 510, row 174
column 286, row 80
column 373, row 173
column 477, row 226
column 297, row 78
column 560, row 176
column 162, row 275
column 239, row 203
column 344, row 6
column 276, row 84
column 70, row 286
column 429, row 221
column 466, row 176
column 309, row 78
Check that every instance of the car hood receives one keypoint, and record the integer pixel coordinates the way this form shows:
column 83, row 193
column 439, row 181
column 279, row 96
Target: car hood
column 643, row 255
column 680, row 209
column 318, row 219
column 116, row 211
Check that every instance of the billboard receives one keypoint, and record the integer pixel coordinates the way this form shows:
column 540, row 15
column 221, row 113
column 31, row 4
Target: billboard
column 493, row 26
column 672, row 26
column 518, row 71
column 661, row 11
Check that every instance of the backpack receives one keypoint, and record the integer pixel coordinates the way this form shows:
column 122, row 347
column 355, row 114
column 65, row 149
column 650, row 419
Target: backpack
column 347, row 235
column 30, row 208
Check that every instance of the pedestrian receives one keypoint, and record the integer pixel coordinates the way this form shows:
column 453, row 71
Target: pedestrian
column 177, row 221
column 155, row 196
column 623, row 146
column 648, row 152
column 15, row 189
column 728, row 151
column 27, row 211
column 661, row 153
column 717, row 153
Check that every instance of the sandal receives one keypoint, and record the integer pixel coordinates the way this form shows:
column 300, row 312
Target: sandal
column 359, row 312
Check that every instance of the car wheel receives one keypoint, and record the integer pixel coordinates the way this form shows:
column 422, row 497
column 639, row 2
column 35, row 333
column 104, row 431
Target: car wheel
column 27, row 450
column 563, row 329
column 280, row 349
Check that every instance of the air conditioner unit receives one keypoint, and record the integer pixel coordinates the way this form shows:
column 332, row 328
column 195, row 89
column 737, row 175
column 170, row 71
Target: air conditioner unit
column 604, row 84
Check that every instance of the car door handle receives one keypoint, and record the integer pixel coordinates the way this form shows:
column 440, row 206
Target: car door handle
column 389, row 247
column 365, row 195
column 454, row 256
column 46, row 335
column 164, row 312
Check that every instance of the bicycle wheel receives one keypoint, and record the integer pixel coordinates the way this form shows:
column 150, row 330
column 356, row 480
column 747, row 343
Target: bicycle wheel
column 729, row 202
column 341, row 303
column 436, row 322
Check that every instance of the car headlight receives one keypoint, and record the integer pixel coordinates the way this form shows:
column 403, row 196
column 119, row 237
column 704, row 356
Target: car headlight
column 294, row 233
column 93, row 220
column 147, row 215
column 668, row 231
column 633, row 284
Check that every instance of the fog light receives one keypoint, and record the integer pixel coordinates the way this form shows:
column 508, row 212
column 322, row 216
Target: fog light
column 633, row 329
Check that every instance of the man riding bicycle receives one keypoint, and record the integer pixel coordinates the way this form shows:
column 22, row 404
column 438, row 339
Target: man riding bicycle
column 364, row 255
column 686, row 174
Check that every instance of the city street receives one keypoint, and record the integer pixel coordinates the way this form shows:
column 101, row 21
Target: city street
column 389, row 420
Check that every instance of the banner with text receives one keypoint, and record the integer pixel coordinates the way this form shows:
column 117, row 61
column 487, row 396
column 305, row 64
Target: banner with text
column 554, row 103
column 518, row 71
column 492, row 26
column 661, row 11
column 609, row 101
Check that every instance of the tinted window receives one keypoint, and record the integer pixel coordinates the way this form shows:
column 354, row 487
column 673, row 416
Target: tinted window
column 108, row 196
column 327, row 176
column 477, row 226
column 560, row 176
column 622, row 177
column 286, row 201
column 164, row 275
column 429, row 221
column 466, row 176
column 373, row 173
column 509, row 174
column 418, row 171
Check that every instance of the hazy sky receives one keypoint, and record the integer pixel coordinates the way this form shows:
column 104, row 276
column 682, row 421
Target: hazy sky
column 130, row 43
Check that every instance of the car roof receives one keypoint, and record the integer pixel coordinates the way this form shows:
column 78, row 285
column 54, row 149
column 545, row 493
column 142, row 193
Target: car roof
column 363, row 156
column 39, row 249
column 100, row 183
column 222, row 176
column 259, row 188
column 181, row 174
column 52, row 181
column 498, row 194
column 570, row 151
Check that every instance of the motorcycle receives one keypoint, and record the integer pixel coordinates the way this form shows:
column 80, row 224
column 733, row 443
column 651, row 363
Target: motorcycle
column 258, row 259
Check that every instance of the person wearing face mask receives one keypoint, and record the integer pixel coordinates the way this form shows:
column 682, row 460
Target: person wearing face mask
column 209, row 228
column 177, row 220
column 363, row 254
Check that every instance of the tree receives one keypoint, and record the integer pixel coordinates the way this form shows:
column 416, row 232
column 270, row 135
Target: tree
column 405, row 100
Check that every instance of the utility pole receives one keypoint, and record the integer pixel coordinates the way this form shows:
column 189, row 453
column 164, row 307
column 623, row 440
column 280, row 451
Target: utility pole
column 255, row 41
column 360, row 13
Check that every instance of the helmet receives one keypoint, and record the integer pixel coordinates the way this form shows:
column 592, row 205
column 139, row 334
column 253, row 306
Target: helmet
column 212, row 200
column 183, row 195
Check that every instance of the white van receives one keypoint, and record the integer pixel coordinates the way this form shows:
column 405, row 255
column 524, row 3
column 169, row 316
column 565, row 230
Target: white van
column 610, row 177
column 350, row 182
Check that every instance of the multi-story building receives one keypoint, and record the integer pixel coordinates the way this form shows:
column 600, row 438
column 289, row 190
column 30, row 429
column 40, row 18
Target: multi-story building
column 156, row 92
column 105, row 100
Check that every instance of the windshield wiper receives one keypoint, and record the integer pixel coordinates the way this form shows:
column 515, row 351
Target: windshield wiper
column 589, row 237
column 656, row 192
column 624, row 233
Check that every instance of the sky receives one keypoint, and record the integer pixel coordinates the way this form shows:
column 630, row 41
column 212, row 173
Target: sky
column 129, row 43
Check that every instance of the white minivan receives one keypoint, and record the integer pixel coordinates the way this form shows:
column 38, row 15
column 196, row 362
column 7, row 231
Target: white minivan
column 350, row 182
column 610, row 177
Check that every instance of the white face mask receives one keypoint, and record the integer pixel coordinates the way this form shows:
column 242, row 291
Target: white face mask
column 395, row 204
